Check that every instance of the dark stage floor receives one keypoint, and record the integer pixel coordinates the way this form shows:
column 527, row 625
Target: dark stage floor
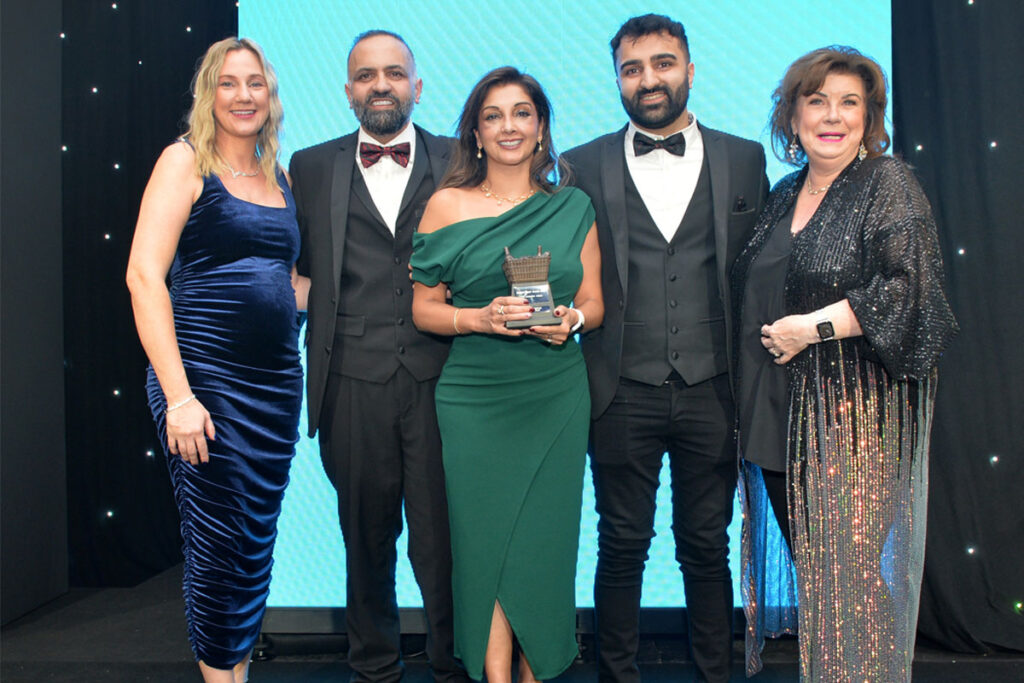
column 138, row 634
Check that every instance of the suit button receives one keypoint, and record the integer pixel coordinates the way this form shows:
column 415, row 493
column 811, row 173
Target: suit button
column 400, row 322
column 398, row 291
column 397, row 260
column 671, row 303
column 675, row 330
column 675, row 355
column 621, row 304
column 327, row 349
column 672, row 277
column 671, row 251
column 401, row 350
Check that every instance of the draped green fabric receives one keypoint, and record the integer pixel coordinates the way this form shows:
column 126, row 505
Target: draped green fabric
column 514, row 414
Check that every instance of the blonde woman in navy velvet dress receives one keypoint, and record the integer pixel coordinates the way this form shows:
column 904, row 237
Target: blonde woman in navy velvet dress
column 225, row 386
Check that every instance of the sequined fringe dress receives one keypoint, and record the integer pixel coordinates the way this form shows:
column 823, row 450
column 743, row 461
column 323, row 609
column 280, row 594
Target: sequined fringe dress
column 859, row 423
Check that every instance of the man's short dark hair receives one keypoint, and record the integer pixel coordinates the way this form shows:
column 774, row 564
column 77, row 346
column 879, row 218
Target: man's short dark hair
column 379, row 32
column 644, row 25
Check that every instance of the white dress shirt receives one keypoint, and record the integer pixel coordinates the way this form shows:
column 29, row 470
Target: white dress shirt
column 386, row 180
column 665, row 181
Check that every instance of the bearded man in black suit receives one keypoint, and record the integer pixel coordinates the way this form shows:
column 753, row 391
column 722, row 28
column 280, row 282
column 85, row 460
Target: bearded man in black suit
column 371, row 374
column 675, row 202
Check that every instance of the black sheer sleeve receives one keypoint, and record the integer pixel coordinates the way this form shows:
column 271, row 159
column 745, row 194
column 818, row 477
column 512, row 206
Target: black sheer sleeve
column 901, row 306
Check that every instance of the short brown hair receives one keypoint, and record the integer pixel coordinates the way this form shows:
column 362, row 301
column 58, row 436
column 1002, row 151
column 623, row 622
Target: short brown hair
column 806, row 75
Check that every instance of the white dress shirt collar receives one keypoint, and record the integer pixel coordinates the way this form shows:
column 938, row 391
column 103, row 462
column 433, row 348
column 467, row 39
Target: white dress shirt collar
column 386, row 180
column 691, row 133
column 666, row 182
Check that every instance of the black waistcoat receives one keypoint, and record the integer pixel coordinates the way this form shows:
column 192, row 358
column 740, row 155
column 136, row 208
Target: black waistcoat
column 674, row 318
column 374, row 327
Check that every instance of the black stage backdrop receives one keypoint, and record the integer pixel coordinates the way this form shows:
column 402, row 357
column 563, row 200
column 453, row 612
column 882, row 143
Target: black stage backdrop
column 126, row 73
column 957, row 115
column 958, row 98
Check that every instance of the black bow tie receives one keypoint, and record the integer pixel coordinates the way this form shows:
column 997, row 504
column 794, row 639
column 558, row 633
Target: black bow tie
column 370, row 154
column 673, row 144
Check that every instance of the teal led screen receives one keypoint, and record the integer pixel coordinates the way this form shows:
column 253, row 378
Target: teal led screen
column 740, row 49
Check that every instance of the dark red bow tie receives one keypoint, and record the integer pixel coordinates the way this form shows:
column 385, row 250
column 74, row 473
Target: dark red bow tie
column 673, row 144
column 370, row 153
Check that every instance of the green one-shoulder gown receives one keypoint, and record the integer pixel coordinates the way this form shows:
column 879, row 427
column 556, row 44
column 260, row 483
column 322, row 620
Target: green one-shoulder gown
column 514, row 414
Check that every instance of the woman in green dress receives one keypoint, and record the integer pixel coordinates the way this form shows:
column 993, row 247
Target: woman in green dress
column 513, row 404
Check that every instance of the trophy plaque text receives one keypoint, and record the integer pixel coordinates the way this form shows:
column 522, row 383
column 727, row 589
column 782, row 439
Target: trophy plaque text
column 528, row 278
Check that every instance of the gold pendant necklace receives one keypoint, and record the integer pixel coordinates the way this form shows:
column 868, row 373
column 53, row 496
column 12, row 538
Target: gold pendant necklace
column 514, row 201
column 813, row 191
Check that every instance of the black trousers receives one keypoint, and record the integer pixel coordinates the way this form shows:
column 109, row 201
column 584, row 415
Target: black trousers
column 694, row 425
column 381, row 448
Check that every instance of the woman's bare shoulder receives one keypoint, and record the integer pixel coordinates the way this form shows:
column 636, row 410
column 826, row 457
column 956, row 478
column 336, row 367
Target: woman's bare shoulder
column 446, row 206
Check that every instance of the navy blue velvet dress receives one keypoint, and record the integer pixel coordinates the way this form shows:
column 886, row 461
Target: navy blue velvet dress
column 235, row 319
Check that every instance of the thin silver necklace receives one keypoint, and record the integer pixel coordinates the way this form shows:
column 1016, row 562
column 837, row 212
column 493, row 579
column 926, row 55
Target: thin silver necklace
column 241, row 174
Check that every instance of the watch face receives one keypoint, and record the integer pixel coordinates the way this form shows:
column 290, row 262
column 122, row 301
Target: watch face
column 825, row 330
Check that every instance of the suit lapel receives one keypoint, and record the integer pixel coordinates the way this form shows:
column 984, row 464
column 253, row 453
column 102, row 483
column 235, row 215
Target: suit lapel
column 362, row 192
column 438, row 151
column 419, row 171
column 341, row 187
column 613, row 181
column 717, row 157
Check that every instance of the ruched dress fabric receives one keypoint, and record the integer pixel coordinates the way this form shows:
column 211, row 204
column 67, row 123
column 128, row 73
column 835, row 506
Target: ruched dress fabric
column 514, row 415
column 237, row 330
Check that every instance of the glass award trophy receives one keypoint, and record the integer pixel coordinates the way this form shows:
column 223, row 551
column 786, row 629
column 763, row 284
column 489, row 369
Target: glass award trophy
column 528, row 278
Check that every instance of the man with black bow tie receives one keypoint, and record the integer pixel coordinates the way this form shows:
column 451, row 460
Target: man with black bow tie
column 675, row 202
column 371, row 374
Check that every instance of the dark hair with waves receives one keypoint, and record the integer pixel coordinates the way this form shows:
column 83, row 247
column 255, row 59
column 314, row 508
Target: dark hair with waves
column 466, row 170
column 806, row 75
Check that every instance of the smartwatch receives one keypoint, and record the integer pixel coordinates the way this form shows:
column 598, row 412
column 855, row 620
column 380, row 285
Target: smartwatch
column 825, row 330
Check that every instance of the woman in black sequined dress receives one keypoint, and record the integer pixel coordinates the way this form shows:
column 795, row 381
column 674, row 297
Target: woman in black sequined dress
column 842, row 325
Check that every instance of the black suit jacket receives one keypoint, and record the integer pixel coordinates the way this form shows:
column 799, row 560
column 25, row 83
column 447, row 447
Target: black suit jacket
column 322, row 186
column 739, row 187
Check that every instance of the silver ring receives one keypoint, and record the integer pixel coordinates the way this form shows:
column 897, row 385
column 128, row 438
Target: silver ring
column 548, row 339
column 501, row 309
column 777, row 354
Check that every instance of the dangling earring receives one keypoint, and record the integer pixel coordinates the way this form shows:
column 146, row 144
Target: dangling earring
column 540, row 145
column 793, row 151
column 479, row 152
column 862, row 152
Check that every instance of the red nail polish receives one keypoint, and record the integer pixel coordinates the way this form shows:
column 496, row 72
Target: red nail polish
column 531, row 309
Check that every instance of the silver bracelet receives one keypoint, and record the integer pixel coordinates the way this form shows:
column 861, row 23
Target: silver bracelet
column 180, row 404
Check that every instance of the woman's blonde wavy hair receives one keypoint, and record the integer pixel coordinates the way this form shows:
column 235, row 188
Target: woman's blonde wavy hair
column 202, row 126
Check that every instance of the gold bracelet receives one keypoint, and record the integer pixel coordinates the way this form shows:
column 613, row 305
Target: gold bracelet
column 455, row 321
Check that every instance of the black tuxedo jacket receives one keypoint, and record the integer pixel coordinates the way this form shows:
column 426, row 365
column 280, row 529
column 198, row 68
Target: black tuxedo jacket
column 739, row 187
column 322, row 186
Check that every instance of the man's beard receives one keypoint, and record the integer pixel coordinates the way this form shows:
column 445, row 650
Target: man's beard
column 384, row 122
column 661, row 114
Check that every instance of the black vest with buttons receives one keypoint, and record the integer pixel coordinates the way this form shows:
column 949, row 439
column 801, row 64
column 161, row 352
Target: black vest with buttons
column 674, row 318
column 375, row 307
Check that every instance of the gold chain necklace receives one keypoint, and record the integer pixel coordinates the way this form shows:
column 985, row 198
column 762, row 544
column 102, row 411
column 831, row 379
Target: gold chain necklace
column 812, row 191
column 514, row 201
